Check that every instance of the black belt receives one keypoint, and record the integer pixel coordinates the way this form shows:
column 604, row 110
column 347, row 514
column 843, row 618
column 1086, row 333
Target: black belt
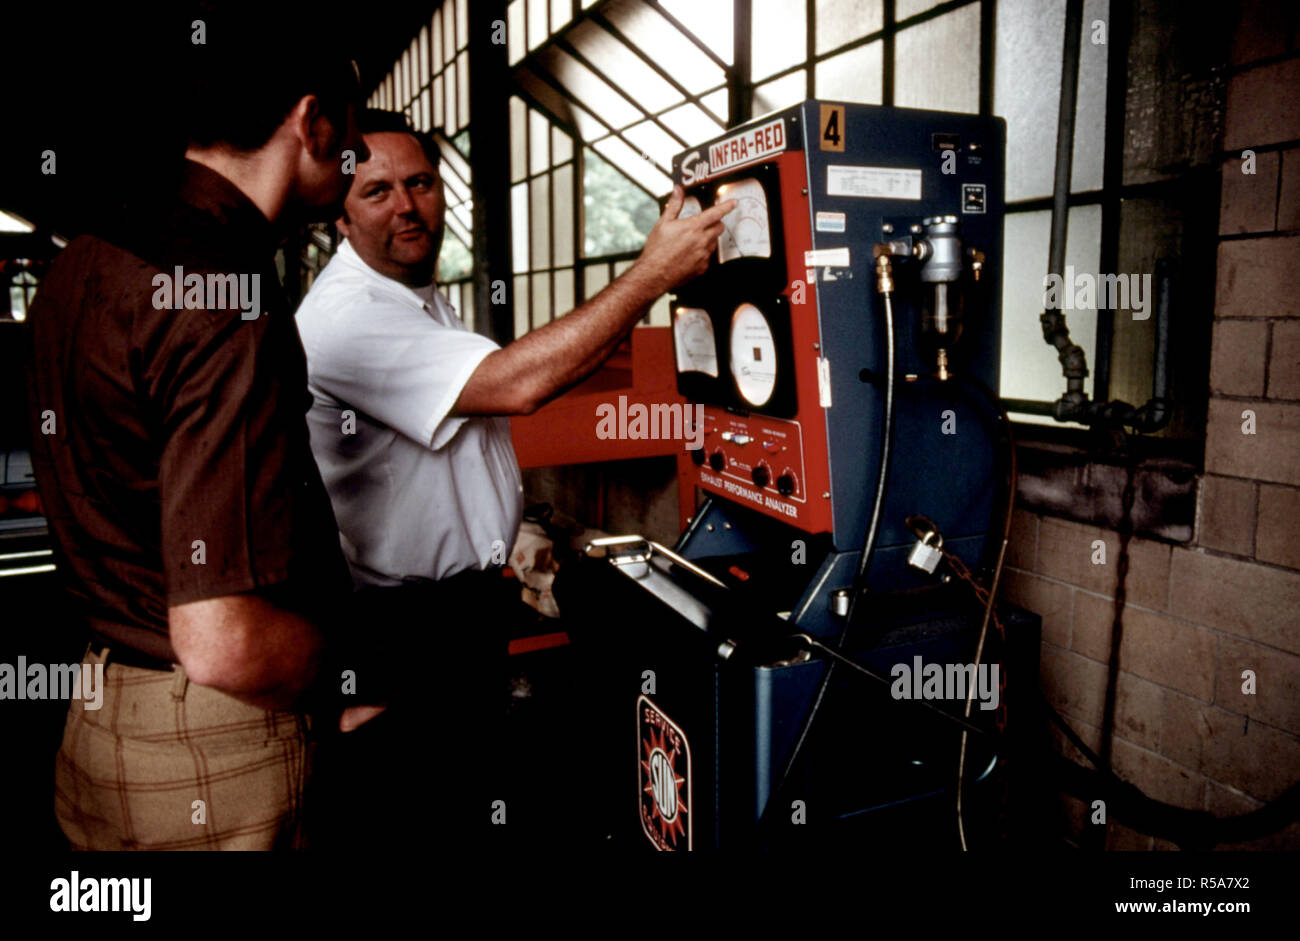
column 129, row 657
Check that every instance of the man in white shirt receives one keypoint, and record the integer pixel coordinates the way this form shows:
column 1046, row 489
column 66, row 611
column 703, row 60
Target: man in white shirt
column 408, row 423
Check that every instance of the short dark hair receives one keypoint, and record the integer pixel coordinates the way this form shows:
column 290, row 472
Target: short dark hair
column 379, row 121
column 254, row 65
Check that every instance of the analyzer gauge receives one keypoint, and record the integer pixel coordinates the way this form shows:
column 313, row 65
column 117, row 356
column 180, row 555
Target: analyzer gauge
column 753, row 355
column 694, row 341
column 748, row 229
column 690, row 207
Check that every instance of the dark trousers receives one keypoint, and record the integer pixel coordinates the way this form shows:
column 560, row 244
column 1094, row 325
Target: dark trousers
column 423, row 772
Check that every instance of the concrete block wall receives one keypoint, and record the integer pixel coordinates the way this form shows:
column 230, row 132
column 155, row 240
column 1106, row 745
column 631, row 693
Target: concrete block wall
column 1199, row 614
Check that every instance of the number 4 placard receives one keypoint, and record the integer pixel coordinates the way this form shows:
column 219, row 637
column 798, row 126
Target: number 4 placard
column 832, row 128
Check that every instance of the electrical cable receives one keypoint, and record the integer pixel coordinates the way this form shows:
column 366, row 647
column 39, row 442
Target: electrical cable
column 868, row 547
column 1008, row 511
column 1194, row 828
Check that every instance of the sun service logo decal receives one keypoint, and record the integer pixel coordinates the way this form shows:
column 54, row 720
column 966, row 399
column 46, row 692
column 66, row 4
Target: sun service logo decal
column 665, row 778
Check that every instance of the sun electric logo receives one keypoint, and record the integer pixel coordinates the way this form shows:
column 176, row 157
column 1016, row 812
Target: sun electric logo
column 692, row 170
column 664, row 778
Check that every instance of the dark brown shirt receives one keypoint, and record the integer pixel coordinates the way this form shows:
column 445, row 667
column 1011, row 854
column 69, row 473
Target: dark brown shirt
column 170, row 444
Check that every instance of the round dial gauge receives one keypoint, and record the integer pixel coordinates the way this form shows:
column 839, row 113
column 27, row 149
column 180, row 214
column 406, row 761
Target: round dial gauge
column 753, row 355
column 694, row 341
column 746, row 228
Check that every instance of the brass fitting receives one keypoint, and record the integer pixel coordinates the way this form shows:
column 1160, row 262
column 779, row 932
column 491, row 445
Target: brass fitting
column 884, row 274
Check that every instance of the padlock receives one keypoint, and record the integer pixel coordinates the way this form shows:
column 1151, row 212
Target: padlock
column 925, row 556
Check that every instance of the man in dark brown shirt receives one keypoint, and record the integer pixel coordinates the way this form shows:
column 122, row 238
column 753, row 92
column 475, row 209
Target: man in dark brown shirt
column 191, row 528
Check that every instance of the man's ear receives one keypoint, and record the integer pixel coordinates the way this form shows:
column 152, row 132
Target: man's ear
column 341, row 225
column 313, row 129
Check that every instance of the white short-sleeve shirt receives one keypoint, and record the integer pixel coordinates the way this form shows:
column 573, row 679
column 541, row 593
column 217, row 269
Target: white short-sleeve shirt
column 418, row 493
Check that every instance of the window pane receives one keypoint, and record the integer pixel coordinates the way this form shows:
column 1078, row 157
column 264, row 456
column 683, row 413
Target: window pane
column 589, row 88
column 541, row 222
column 906, row 8
column 654, row 142
column 781, row 92
column 536, row 23
column 515, row 31
column 633, row 165
column 659, row 315
column 659, row 38
column 519, row 226
column 435, row 41
column 1027, row 91
column 594, row 279
column 467, row 306
column 461, row 144
column 563, row 215
column 448, row 34
column 852, row 75
column 437, row 102
column 539, row 138
column 518, row 140
column 449, row 108
column 1089, row 149
column 718, row 103
column 613, row 58
column 777, row 33
column 455, row 260
column 943, row 71
column 541, row 300
column 455, row 159
column 564, row 299
column 1030, row 369
column 691, row 124
column 617, row 216
column 621, row 266
column 710, row 22
column 521, row 305
column 462, row 23
column 841, row 21
column 561, row 146
column 426, row 110
column 462, row 89
column 561, row 12
column 424, row 54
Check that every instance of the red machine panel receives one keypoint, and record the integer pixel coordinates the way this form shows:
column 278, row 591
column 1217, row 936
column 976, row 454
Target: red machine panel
column 775, row 465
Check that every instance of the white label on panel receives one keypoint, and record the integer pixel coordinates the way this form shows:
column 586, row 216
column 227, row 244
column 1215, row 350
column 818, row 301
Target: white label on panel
column 877, row 182
column 823, row 382
column 830, row 222
column 827, row 258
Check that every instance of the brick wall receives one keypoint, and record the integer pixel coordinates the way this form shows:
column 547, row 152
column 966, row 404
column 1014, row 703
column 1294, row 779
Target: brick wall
column 1199, row 614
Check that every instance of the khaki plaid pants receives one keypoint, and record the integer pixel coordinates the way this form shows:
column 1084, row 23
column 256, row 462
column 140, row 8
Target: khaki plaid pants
column 129, row 774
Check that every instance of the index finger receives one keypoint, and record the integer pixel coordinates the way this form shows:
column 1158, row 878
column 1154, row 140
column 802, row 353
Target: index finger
column 717, row 211
column 674, row 205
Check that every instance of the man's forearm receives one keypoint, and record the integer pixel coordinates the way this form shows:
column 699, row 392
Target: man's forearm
column 540, row 365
